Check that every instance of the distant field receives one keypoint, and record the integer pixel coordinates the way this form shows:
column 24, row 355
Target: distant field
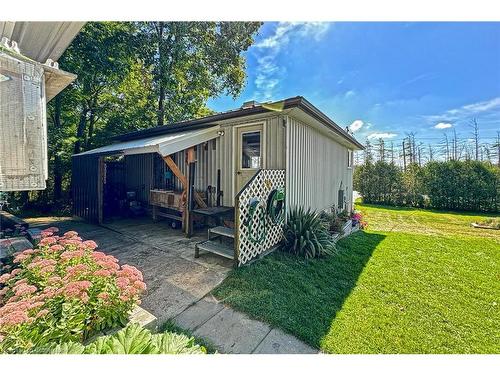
column 415, row 281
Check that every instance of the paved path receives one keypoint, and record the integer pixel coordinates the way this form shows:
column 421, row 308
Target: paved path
column 179, row 285
column 233, row 332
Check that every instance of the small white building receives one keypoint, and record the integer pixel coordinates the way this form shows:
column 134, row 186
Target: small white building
column 224, row 163
column 29, row 78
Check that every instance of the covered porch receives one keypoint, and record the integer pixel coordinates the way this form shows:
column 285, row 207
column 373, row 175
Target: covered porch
column 174, row 178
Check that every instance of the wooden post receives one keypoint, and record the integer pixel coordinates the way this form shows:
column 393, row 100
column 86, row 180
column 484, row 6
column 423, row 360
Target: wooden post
column 219, row 192
column 100, row 189
column 190, row 198
column 190, row 159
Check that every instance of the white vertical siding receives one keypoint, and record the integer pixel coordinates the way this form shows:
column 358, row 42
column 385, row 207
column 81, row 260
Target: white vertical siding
column 316, row 166
column 206, row 169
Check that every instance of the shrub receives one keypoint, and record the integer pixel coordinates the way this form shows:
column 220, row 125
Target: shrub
column 305, row 235
column 130, row 340
column 332, row 221
column 64, row 291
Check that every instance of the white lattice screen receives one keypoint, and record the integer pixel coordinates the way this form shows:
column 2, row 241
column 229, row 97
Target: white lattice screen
column 260, row 187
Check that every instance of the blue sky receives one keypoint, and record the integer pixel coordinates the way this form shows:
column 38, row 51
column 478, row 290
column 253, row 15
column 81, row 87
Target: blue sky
column 382, row 79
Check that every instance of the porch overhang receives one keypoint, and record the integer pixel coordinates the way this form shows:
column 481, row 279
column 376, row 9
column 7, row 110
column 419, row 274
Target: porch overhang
column 164, row 145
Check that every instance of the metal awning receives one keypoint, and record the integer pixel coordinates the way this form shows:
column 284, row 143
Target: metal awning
column 164, row 144
column 41, row 40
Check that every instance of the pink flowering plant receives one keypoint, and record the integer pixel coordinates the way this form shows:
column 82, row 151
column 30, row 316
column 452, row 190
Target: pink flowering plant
column 64, row 290
column 357, row 218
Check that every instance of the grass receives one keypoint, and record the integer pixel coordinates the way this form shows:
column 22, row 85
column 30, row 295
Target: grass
column 417, row 281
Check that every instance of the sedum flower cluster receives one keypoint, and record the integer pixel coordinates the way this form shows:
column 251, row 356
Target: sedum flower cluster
column 64, row 290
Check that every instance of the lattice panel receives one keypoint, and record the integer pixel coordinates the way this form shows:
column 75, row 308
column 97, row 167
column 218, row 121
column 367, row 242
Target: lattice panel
column 260, row 187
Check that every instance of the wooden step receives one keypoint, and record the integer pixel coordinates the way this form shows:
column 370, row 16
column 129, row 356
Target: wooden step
column 222, row 231
column 216, row 248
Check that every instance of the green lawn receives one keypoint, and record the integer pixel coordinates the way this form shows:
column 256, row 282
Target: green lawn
column 416, row 281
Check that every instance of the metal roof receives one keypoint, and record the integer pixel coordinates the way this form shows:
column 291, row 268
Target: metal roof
column 290, row 103
column 163, row 144
column 41, row 40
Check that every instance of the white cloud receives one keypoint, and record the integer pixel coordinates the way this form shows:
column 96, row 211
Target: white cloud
column 350, row 94
column 443, row 125
column 483, row 106
column 287, row 30
column 356, row 125
column 381, row 135
column 268, row 72
column 466, row 111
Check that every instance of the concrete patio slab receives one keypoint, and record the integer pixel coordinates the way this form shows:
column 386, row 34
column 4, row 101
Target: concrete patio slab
column 279, row 342
column 198, row 314
column 233, row 332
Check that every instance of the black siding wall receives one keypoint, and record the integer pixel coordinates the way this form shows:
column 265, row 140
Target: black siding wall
column 84, row 185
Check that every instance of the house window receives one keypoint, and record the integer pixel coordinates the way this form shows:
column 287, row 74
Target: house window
column 250, row 150
column 349, row 158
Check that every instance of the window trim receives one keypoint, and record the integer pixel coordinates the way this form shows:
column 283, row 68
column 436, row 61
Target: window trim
column 260, row 131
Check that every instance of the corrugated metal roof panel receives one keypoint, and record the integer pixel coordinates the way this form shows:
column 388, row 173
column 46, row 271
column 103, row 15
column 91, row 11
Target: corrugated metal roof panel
column 41, row 40
column 163, row 144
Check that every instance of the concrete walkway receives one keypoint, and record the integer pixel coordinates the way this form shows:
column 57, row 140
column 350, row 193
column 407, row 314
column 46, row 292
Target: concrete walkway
column 233, row 332
column 178, row 285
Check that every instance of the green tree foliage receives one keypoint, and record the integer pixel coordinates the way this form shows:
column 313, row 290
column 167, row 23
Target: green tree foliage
column 194, row 61
column 135, row 75
column 458, row 185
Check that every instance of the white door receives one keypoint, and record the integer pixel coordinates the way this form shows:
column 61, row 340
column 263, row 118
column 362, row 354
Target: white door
column 249, row 153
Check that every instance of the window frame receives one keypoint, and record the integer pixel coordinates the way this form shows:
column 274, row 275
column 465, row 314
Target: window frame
column 260, row 131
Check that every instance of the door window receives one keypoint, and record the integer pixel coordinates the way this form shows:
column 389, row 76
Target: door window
column 250, row 150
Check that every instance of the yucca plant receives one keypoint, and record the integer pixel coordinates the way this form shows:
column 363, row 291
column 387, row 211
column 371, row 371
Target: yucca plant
column 305, row 235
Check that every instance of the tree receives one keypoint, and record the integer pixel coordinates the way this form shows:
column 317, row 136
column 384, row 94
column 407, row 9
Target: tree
column 120, row 79
column 194, row 61
column 100, row 55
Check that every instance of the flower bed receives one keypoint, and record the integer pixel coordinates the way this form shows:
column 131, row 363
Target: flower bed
column 63, row 291
column 490, row 223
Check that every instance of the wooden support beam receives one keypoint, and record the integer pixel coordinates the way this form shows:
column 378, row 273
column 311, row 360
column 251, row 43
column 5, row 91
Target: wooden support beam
column 177, row 172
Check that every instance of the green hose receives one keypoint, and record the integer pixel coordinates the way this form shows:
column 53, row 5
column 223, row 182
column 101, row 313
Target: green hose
column 253, row 208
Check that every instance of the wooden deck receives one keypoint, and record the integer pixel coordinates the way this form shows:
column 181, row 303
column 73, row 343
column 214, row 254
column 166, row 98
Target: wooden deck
column 174, row 278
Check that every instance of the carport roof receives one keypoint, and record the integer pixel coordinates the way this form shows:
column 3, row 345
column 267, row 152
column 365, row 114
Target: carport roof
column 166, row 144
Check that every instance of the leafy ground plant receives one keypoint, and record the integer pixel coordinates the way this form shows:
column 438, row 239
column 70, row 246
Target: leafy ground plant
column 132, row 339
column 64, row 290
column 305, row 235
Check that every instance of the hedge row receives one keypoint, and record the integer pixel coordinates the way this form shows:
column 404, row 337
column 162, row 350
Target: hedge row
column 455, row 185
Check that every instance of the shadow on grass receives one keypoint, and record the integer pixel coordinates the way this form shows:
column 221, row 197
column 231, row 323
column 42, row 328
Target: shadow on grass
column 302, row 297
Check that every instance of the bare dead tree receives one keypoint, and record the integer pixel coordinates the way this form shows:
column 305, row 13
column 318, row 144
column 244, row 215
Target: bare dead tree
column 446, row 146
column 404, row 155
column 367, row 155
column 475, row 133
column 431, row 153
column 455, row 145
column 497, row 147
column 381, row 149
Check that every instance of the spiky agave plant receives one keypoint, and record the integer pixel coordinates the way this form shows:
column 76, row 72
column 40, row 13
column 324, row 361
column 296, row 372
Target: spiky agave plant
column 305, row 235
